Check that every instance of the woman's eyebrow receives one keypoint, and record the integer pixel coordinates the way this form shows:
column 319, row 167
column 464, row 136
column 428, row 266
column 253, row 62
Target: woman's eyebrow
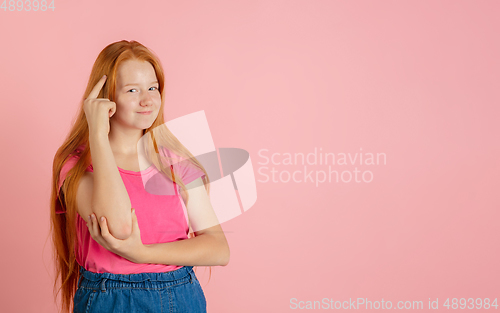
column 135, row 84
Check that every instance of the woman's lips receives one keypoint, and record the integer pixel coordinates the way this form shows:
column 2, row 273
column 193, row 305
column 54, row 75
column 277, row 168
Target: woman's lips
column 145, row 113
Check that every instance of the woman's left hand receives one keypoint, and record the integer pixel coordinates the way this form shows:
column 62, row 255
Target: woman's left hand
column 131, row 248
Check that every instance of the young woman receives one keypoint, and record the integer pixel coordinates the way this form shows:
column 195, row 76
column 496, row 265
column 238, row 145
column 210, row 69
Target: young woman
column 120, row 230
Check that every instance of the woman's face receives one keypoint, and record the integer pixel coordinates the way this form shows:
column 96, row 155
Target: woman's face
column 137, row 90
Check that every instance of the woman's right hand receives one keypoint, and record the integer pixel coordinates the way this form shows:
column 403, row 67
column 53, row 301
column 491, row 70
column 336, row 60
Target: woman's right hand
column 98, row 111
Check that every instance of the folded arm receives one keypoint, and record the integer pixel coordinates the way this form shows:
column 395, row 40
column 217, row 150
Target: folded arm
column 209, row 247
column 103, row 192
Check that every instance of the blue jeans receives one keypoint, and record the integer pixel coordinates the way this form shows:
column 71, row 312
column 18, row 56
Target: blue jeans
column 175, row 291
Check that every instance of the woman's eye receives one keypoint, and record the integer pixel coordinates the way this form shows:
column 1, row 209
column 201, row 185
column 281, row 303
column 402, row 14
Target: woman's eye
column 155, row 88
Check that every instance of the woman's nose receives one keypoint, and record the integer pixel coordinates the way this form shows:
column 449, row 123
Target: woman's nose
column 146, row 100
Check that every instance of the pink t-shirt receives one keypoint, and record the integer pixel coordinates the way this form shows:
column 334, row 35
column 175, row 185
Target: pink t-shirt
column 160, row 214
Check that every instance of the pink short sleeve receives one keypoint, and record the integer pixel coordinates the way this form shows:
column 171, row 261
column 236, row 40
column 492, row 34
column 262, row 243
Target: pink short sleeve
column 189, row 172
column 64, row 172
column 66, row 168
column 186, row 169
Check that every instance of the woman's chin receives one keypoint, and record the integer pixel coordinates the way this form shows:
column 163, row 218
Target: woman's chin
column 146, row 126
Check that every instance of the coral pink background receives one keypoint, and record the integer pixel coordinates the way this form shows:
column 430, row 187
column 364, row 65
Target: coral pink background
column 416, row 80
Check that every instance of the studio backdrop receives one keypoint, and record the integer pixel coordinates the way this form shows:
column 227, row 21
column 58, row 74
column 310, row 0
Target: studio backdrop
column 364, row 138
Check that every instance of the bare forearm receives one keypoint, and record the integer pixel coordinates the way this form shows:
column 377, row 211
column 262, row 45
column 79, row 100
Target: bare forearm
column 109, row 197
column 203, row 250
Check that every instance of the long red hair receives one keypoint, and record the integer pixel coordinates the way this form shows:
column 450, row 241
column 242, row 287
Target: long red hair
column 63, row 227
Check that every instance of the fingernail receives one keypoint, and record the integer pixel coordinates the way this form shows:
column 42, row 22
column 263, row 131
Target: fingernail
column 102, row 218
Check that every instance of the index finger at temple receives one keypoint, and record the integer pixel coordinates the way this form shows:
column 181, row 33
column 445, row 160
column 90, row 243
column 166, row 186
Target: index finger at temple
column 97, row 88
